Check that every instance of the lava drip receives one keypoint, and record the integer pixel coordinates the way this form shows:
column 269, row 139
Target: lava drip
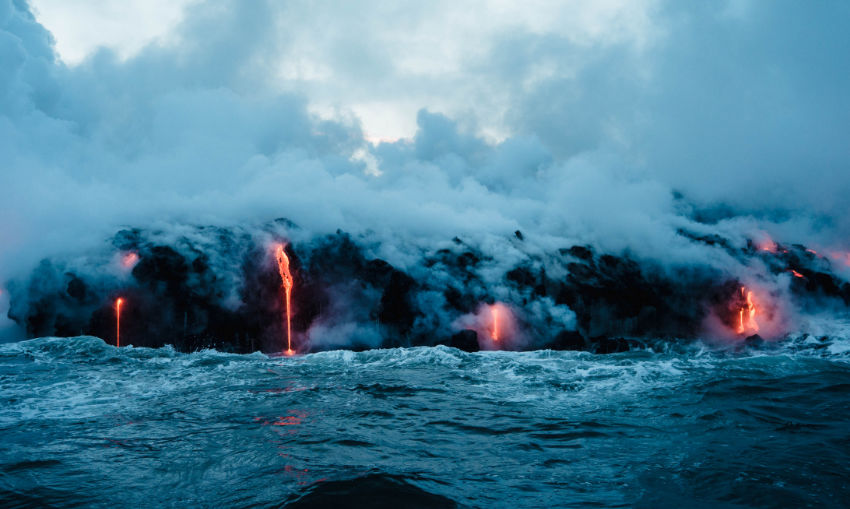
column 747, row 314
column 287, row 281
column 118, row 303
column 494, row 310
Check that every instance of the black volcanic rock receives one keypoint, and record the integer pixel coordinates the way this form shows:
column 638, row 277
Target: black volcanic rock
column 754, row 341
column 580, row 252
column 466, row 340
column 336, row 257
column 163, row 268
column 612, row 345
column 373, row 491
column 76, row 288
column 127, row 240
column 710, row 239
column 209, row 287
column 566, row 340
column 396, row 307
column 378, row 272
column 616, row 295
column 522, row 276
column 460, row 301
column 462, row 262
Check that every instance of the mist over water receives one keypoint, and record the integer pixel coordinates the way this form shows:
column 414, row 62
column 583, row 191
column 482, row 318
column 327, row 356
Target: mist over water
column 676, row 136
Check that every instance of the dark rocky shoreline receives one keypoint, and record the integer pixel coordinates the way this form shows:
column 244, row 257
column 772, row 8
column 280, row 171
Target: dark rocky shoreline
column 215, row 288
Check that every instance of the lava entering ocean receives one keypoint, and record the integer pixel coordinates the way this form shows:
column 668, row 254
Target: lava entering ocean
column 498, row 324
column 118, row 302
column 287, row 282
column 747, row 314
column 202, row 291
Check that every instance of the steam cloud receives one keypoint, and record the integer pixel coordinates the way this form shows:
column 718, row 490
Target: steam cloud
column 677, row 137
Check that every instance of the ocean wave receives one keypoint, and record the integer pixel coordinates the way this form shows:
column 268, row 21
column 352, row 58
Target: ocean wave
column 322, row 426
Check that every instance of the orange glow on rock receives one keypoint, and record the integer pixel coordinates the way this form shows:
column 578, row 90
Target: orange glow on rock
column 129, row 260
column 118, row 302
column 287, row 282
column 840, row 256
column 767, row 244
column 747, row 314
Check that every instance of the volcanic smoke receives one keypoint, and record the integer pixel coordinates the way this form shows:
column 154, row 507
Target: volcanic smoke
column 118, row 303
column 287, row 281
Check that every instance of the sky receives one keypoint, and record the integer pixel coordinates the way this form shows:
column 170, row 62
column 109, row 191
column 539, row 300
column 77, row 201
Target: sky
column 412, row 56
column 613, row 123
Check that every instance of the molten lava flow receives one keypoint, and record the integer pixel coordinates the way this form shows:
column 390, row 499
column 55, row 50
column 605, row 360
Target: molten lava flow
column 118, row 303
column 797, row 274
column 286, row 278
column 495, row 312
column 747, row 314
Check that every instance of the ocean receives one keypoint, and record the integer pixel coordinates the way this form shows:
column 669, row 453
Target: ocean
column 87, row 424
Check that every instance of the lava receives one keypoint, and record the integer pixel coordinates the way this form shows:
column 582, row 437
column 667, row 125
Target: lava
column 797, row 274
column 765, row 243
column 496, row 321
column 287, row 282
column 118, row 302
column 747, row 314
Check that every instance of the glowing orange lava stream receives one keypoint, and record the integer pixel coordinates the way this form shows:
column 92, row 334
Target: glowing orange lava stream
column 286, row 278
column 495, row 312
column 749, row 312
column 118, row 303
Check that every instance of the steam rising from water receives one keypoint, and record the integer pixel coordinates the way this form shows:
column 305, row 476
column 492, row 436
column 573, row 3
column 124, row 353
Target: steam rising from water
column 615, row 141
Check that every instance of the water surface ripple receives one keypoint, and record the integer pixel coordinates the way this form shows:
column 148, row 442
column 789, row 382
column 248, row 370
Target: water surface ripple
column 84, row 423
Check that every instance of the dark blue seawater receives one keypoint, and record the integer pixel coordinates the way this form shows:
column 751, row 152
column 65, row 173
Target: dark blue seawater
column 86, row 424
